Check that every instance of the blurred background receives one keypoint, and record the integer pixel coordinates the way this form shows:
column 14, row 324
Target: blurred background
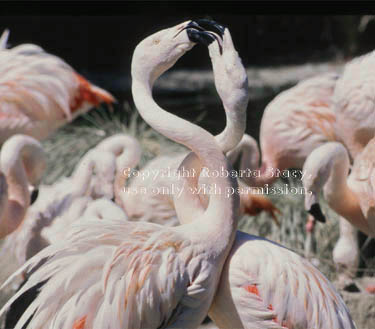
column 278, row 50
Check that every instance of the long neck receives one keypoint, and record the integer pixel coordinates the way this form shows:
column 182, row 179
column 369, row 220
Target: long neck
column 230, row 140
column 250, row 172
column 347, row 229
column 341, row 198
column 128, row 151
column 345, row 202
column 234, row 129
column 16, row 197
column 82, row 174
column 220, row 218
column 17, row 200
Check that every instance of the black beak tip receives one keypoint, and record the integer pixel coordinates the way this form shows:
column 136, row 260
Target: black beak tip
column 316, row 211
column 201, row 37
column 34, row 196
column 211, row 25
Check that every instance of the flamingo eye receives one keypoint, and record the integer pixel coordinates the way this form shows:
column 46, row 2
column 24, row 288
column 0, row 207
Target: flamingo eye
column 156, row 41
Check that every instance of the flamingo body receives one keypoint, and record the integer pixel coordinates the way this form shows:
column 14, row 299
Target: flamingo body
column 113, row 274
column 60, row 204
column 22, row 163
column 354, row 103
column 294, row 123
column 39, row 92
column 264, row 285
column 352, row 197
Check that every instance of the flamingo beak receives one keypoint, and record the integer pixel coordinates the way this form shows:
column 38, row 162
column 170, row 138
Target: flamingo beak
column 212, row 26
column 34, row 192
column 204, row 31
column 317, row 213
column 201, row 37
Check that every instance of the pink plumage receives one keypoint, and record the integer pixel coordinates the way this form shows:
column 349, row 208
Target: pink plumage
column 40, row 92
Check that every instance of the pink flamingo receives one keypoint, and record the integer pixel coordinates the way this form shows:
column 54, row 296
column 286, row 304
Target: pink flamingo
column 264, row 285
column 351, row 197
column 354, row 104
column 296, row 122
column 40, row 92
column 140, row 267
column 22, row 163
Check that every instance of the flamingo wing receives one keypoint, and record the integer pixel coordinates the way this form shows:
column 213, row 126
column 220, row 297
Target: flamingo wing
column 353, row 94
column 272, row 287
column 111, row 274
column 354, row 103
column 302, row 118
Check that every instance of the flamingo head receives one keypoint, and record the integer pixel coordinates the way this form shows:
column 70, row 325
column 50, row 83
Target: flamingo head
column 161, row 50
column 324, row 169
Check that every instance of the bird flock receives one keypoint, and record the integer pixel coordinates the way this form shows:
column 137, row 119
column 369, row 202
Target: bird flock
column 96, row 255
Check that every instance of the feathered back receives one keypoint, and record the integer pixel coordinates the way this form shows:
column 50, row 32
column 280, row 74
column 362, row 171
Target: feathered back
column 39, row 92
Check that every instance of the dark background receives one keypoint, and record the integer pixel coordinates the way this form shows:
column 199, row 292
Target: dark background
column 98, row 39
column 106, row 43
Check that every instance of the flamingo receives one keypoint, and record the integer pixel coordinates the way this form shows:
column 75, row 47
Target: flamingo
column 264, row 285
column 22, row 162
column 294, row 123
column 40, row 92
column 155, row 185
column 63, row 201
column 57, row 207
column 351, row 197
column 355, row 117
column 120, row 272
column 157, row 179
column 354, row 105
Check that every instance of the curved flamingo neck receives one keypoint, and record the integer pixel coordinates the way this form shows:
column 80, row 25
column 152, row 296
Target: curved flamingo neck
column 340, row 197
column 234, row 129
column 347, row 229
column 220, row 218
column 16, row 201
column 16, row 154
column 82, row 174
column 265, row 176
column 346, row 203
column 128, row 152
column 250, row 171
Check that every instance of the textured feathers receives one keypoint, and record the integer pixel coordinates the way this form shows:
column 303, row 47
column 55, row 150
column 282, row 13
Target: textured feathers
column 39, row 92
column 272, row 287
column 116, row 274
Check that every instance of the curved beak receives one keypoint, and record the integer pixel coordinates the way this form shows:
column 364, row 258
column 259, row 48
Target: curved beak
column 204, row 31
column 34, row 192
column 212, row 26
column 201, row 37
column 317, row 213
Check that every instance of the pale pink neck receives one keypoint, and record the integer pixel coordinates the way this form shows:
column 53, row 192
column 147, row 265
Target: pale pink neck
column 18, row 152
column 128, row 153
column 220, row 218
column 16, row 200
column 82, row 175
column 346, row 203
